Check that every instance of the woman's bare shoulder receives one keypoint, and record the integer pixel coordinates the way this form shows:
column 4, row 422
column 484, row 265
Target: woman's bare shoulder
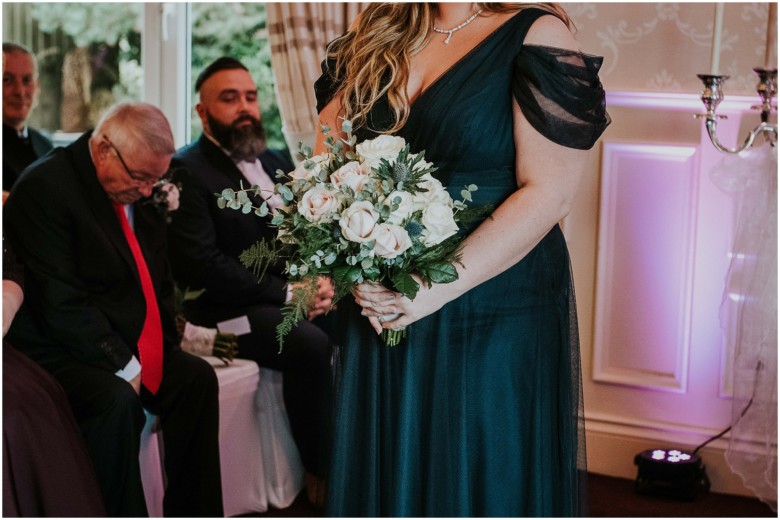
column 550, row 31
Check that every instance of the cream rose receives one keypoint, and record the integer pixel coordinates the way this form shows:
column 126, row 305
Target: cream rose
column 318, row 204
column 391, row 240
column 439, row 224
column 301, row 173
column 352, row 175
column 359, row 221
column 405, row 206
column 434, row 194
column 382, row 147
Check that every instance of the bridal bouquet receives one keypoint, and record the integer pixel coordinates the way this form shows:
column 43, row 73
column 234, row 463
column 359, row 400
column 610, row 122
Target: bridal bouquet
column 368, row 211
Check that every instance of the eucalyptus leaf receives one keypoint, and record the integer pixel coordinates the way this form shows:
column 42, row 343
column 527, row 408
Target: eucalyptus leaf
column 286, row 193
column 221, row 202
column 228, row 193
column 246, row 208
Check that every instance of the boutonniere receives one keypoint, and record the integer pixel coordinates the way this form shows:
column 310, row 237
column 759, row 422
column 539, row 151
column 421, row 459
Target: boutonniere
column 165, row 195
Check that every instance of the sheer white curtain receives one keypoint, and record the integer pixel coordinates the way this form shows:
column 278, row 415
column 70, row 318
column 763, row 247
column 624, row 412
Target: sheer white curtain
column 298, row 33
column 749, row 318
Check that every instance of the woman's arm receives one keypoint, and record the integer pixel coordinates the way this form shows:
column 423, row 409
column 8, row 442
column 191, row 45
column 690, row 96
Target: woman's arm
column 548, row 177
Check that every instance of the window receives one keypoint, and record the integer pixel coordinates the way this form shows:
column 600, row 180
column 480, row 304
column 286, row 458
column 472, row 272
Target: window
column 88, row 58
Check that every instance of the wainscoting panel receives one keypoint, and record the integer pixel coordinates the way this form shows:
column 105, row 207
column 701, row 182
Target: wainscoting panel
column 650, row 236
column 644, row 266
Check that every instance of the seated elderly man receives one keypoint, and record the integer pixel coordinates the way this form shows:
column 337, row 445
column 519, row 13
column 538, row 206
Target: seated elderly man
column 98, row 313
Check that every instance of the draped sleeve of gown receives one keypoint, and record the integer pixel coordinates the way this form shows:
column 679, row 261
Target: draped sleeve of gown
column 478, row 412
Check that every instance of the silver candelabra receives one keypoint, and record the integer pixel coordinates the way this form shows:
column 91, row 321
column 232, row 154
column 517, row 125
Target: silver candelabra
column 713, row 95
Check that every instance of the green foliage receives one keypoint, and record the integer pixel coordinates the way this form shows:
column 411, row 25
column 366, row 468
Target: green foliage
column 296, row 310
column 258, row 257
column 89, row 23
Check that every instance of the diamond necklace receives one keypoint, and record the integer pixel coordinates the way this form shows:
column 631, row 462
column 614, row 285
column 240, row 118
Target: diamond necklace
column 449, row 32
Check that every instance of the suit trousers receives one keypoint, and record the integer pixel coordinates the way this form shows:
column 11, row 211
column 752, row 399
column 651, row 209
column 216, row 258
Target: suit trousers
column 111, row 417
column 305, row 362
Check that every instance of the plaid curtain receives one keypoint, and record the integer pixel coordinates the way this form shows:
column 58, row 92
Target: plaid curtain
column 298, row 33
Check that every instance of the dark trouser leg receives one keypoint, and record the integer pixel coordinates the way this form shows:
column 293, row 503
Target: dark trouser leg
column 111, row 418
column 188, row 406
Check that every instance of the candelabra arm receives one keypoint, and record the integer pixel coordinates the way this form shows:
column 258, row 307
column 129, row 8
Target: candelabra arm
column 712, row 95
column 769, row 130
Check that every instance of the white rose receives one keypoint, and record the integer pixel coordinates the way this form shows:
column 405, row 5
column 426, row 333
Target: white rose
column 391, row 240
column 352, row 175
column 318, row 162
column 434, row 194
column 382, row 147
column 358, row 221
column 439, row 224
column 405, row 206
column 318, row 204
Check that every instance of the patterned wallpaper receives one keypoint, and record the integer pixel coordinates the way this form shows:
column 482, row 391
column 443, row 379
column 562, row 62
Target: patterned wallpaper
column 660, row 47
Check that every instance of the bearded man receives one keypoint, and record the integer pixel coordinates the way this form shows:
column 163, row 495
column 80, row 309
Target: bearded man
column 205, row 243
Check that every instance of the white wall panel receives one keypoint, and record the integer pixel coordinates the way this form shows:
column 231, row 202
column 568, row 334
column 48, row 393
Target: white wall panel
column 644, row 284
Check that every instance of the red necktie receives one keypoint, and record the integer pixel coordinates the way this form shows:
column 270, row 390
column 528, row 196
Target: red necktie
column 150, row 341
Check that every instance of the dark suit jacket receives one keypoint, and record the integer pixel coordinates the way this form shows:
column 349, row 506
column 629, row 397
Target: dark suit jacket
column 205, row 241
column 83, row 296
column 18, row 155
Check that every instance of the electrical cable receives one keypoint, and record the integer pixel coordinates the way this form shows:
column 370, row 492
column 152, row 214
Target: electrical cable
column 759, row 366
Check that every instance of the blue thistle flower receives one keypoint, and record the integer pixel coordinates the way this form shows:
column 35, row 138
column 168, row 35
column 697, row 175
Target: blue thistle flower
column 414, row 229
column 401, row 172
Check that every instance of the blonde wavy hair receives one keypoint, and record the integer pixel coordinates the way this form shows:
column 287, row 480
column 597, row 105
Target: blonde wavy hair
column 372, row 59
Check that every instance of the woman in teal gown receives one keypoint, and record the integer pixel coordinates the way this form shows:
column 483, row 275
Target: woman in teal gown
column 478, row 412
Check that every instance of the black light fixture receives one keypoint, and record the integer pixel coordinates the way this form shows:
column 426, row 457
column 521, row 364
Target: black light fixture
column 676, row 473
column 671, row 473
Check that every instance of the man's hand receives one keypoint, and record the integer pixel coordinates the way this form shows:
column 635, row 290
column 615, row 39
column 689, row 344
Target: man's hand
column 323, row 301
column 136, row 384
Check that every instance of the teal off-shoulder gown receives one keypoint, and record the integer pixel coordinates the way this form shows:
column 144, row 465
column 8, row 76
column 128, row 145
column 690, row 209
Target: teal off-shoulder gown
column 478, row 412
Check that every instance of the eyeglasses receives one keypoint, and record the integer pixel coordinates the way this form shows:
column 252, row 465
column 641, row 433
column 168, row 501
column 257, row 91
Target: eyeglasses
column 140, row 179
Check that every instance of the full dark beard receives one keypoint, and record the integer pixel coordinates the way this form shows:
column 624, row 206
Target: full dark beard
column 245, row 142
